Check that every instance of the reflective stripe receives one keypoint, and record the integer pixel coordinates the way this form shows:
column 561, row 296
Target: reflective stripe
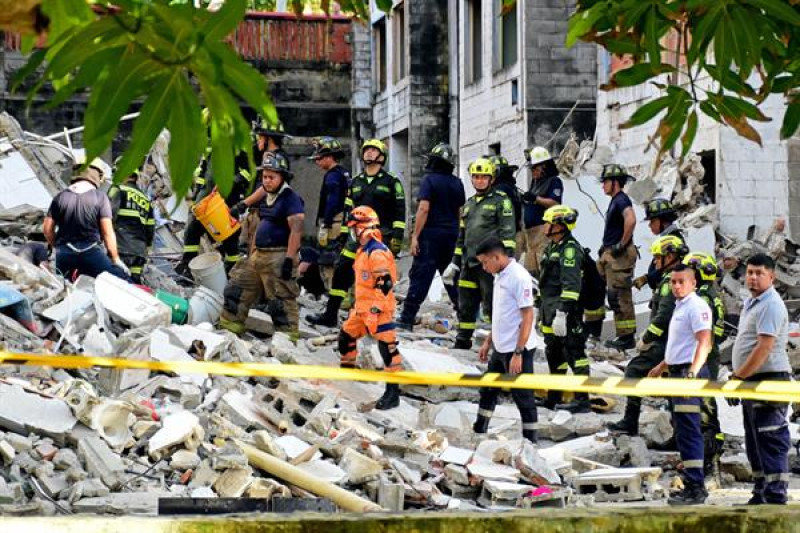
column 529, row 425
column 771, row 428
column 595, row 313
column 466, row 325
column 129, row 213
column 686, row 408
column 150, row 222
column 191, row 247
column 232, row 258
column 459, row 251
column 581, row 363
column 349, row 202
column 719, row 332
column 466, row 284
column 510, row 244
column 485, row 413
column 337, row 292
column 136, row 270
column 563, row 366
column 345, row 229
column 349, row 254
column 655, row 330
column 758, row 474
column 625, row 323
column 783, row 476
column 397, row 224
column 570, row 295
column 694, row 463
column 547, row 329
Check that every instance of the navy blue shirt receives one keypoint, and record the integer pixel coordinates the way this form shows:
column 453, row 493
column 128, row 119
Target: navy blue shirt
column 551, row 188
column 273, row 230
column 615, row 220
column 445, row 193
column 332, row 194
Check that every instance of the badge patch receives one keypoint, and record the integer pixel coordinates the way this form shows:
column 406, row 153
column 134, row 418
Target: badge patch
column 365, row 276
column 569, row 253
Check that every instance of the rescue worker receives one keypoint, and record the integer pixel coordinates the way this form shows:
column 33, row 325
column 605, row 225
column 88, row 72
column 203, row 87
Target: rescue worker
column 382, row 191
column 433, row 241
column 706, row 270
column 511, row 334
column 373, row 311
column 660, row 215
column 488, row 212
column 134, row 224
column 668, row 252
column 276, row 255
column 77, row 225
column 617, row 256
column 505, row 180
column 561, row 311
column 328, row 153
column 688, row 345
column 545, row 191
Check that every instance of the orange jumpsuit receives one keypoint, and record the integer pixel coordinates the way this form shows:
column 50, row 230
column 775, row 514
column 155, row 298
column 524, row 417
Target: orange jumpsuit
column 373, row 312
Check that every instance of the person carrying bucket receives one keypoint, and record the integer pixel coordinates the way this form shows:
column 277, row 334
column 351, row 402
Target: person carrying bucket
column 276, row 254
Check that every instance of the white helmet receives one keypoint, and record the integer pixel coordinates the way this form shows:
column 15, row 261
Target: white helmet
column 537, row 155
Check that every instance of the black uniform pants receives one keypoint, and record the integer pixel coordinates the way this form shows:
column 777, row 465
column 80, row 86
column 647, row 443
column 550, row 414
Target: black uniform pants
column 475, row 288
column 229, row 248
column 639, row 367
column 435, row 252
column 524, row 398
column 567, row 352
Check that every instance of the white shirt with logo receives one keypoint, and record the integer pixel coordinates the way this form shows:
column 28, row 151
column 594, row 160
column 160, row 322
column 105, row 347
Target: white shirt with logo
column 513, row 291
column 692, row 315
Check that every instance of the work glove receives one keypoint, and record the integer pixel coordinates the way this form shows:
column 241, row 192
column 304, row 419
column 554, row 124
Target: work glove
column 529, row 197
column 384, row 284
column 640, row 282
column 238, row 209
column 618, row 249
column 118, row 262
column 286, row 269
column 642, row 346
column 322, row 236
column 450, row 273
column 560, row 324
column 395, row 245
column 733, row 402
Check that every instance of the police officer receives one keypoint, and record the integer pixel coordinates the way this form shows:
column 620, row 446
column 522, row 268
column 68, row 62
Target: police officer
column 134, row 224
column 433, row 241
column 382, row 191
column 667, row 252
column 759, row 354
column 276, row 255
column 373, row 311
column 617, row 257
column 561, row 311
column 488, row 212
column 688, row 345
column 505, row 181
column 705, row 267
column 328, row 153
column 660, row 215
column 546, row 190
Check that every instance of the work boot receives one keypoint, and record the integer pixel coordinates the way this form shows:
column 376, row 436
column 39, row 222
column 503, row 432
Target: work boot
column 390, row 398
column 481, row 424
column 575, row 406
column 624, row 426
column 405, row 326
column 621, row 343
column 462, row 344
column 530, row 434
column 690, row 495
column 546, row 403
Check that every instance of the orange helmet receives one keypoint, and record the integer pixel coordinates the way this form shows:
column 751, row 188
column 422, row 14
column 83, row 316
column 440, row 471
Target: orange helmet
column 363, row 218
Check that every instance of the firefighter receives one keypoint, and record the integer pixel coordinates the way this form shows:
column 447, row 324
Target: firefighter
column 134, row 224
column 546, row 190
column 328, row 153
column 667, row 251
column 276, row 256
column 706, row 270
column 506, row 181
column 373, row 311
column 660, row 216
column 617, row 257
column 433, row 241
column 561, row 268
column 488, row 212
column 382, row 191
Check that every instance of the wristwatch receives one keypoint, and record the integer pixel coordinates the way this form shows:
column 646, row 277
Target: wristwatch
column 690, row 375
column 518, row 351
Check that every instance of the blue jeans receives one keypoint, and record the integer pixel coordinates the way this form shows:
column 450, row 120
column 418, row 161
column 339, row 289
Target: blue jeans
column 91, row 262
column 436, row 250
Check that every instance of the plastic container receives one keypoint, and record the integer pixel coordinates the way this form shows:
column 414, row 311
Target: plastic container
column 209, row 271
column 178, row 305
column 205, row 306
column 214, row 214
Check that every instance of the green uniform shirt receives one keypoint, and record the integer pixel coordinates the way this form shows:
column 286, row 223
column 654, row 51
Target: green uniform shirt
column 482, row 216
column 662, row 304
column 561, row 278
column 384, row 193
column 134, row 223
column 708, row 292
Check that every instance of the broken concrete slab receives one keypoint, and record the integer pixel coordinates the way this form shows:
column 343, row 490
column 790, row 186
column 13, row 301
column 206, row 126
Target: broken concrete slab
column 129, row 304
column 233, row 483
column 324, row 470
column 455, row 455
column 101, row 461
column 25, row 412
column 359, row 467
column 127, row 503
column 180, row 428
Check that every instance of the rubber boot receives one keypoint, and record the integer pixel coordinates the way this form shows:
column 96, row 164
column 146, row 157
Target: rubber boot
column 626, row 426
column 390, row 398
column 690, row 495
column 530, row 434
column 577, row 405
column 329, row 317
column 623, row 342
column 462, row 344
column 481, row 424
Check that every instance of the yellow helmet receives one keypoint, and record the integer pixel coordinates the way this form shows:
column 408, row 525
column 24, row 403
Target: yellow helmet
column 561, row 214
column 374, row 143
column 704, row 264
column 482, row 166
column 669, row 244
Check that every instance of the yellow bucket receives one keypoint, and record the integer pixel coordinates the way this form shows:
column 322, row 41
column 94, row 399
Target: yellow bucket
column 214, row 215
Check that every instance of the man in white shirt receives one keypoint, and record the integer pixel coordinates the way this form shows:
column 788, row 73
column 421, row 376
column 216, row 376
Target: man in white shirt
column 512, row 326
column 688, row 345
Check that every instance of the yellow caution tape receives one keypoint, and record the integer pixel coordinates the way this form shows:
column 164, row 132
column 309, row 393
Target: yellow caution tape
column 776, row 391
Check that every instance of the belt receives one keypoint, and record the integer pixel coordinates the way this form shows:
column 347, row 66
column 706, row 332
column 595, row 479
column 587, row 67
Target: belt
column 679, row 367
column 273, row 249
column 81, row 250
column 769, row 376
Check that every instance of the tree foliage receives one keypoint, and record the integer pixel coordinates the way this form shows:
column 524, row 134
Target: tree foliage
column 748, row 48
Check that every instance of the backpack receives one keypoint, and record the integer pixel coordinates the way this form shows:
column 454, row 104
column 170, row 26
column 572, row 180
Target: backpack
column 593, row 287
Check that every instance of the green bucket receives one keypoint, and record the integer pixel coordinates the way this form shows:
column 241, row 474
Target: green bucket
column 178, row 305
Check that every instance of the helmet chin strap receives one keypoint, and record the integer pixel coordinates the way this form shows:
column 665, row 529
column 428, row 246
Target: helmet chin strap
column 551, row 233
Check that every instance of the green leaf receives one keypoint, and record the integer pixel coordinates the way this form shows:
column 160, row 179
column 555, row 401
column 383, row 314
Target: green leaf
column 386, row 5
column 731, row 81
column 689, row 134
column 703, row 32
column 582, row 23
column 187, row 136
column 639, row 73
column 90, row 71
column 791, row 120
column 647, row 112
column 224, row 21
column 708, row 107
column 28, row 42
column 652, row 37
column 243, row 79
column 744, row 108
column 33, row 63
column 98, row 35
column 65, row 14
column 779, row 9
